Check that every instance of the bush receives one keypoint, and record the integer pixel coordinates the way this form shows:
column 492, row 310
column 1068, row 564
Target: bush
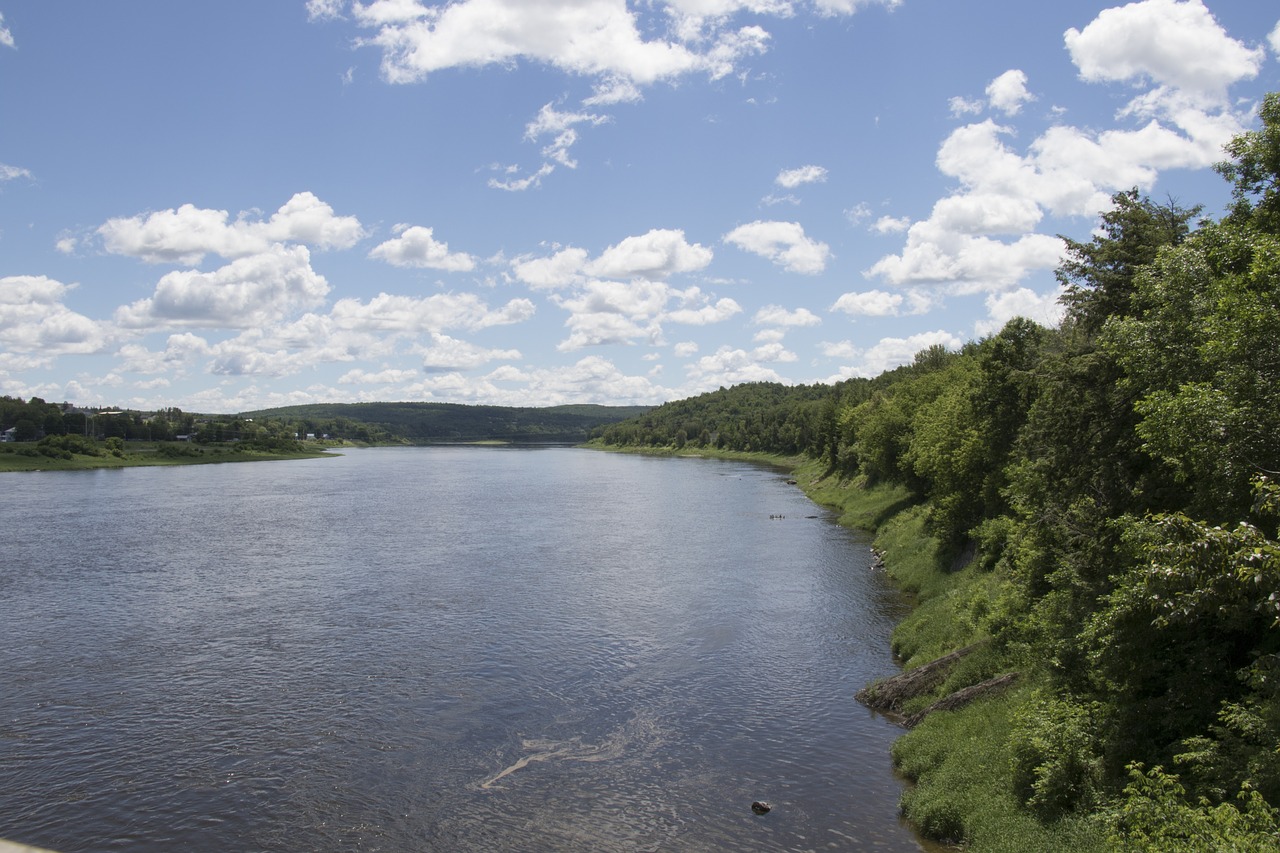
column 1055, row 764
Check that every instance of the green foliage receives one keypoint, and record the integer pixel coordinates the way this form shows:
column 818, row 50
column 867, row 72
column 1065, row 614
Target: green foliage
column 1098, row 276
column 1254, row 170
column 1055, row 763
column 959, row 762
column 1156, row 816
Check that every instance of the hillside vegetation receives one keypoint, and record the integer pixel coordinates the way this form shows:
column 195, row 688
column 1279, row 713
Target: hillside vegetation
column 419, row 423
column 1089, row 510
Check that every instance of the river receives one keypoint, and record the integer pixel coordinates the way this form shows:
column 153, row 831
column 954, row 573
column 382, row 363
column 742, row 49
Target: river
column 450, row 648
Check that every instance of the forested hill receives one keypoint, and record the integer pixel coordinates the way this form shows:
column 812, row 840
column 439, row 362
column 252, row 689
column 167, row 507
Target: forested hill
column 1094, row 513
column 432, row 422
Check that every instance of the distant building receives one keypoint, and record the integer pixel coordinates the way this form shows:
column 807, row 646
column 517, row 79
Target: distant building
column 9, row 434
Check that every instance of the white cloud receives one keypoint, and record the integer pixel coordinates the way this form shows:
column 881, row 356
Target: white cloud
column 889, row 353
column 792, row 178
column 784, row 243
column 685, row 349
column 848, row 7
column 964, row 106
column 776, row 315
column 446, row 353
column 560, row 126
column 598, row 38
column 11, row 173
column 1044, row 308
column 1008, row 92
column 731, row 366
column 657, row 254
column 33, row 319
column 6, row 36
column 613, row 312
column 1175, row 43
column 248, row 292
column 1184, row 120
column 1274, row 39
column 870, row 303
column 965, row 263
column 187, row 234
column 319, row 10
column 386, row 376
column 890, row 225
column 413, row 315
column 559, row 270
column 416, row 246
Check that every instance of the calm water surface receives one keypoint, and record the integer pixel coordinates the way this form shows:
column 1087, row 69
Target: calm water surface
column 439, row 649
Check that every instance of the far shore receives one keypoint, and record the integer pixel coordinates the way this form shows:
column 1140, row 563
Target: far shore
column 28, row 455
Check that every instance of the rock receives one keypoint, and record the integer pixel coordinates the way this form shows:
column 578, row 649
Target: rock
column 761, row 807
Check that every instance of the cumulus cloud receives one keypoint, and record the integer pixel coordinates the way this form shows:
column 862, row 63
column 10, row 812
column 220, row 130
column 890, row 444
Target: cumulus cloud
column 731, row 366
column 776, row 315
column 387, row 376
column 6, row 35
column 599, row 38
column 559, row 270
column 1274, row 39
column 660, row 253
column 250, row 291
column 888, row 353
column 386, row 313
column 784, row 243
column 792, row 178
column 416, row 246
column 1044, row 308
column 1173, row 43
column 891, row 225
column 612, row 312
column 1008, row 92
column 981, row 238
column 33, row 319
column 870, row 303
column 446, row 353
column 657, row 254
column 187, row 234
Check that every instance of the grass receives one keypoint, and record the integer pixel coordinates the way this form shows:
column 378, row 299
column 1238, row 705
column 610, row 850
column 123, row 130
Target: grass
column 960, row 762
column 27, row 456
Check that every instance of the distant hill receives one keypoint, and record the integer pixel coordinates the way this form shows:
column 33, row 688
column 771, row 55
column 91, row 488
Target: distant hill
column 434, row 422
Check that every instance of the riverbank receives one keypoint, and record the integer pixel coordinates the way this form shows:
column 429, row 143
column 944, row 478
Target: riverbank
column 961, row 762
column 32, row 456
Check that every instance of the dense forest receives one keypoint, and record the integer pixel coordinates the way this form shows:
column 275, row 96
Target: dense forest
column 1099, row 504
column 434, row 422
column 36, row 420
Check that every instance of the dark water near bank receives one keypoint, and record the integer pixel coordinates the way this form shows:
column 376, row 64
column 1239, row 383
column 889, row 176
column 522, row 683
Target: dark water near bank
column 439, row 649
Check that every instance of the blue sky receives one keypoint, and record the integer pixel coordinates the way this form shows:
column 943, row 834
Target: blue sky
column 233, row 205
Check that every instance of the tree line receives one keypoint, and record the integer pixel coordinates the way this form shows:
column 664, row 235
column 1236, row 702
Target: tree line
column 1113, row 486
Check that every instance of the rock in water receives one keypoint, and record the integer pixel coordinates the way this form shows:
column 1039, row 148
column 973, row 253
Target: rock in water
column 760, row 807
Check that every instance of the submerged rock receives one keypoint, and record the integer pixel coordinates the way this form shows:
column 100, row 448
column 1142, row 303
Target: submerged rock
column 761, row 807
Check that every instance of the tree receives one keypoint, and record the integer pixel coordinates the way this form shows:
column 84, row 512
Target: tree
column 1099, row 275
column 1254, row 169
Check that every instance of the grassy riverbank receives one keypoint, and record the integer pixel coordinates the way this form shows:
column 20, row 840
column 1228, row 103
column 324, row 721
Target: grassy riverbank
column 88, row 455
column 961, row 763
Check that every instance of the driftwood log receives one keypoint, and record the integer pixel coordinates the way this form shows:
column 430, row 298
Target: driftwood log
column 891, row 694
column 963, row 697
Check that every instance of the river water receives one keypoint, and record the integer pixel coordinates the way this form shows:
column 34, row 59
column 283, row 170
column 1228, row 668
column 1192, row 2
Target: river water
column 442, row 648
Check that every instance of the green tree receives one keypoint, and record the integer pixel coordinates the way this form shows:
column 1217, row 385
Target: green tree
column 1098, row 275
